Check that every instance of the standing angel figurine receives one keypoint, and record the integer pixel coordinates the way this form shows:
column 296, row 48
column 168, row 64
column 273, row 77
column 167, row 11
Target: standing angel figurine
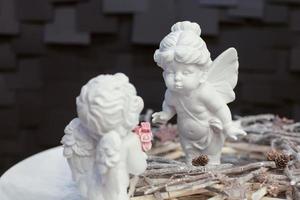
column 198, row 91
column 99, row 145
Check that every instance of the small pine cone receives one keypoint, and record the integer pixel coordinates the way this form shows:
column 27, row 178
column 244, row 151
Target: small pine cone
column 282, row 160
column 273, row 190
column 272, row 155
column 261, row 178
column 201, row 160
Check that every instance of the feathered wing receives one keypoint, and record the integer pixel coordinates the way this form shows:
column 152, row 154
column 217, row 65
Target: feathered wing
column 79, row 149
column 223, row 74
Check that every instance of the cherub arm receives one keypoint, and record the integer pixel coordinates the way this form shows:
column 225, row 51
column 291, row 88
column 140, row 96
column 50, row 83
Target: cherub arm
column 136, row 160
column 216, row 105
column 168, row 110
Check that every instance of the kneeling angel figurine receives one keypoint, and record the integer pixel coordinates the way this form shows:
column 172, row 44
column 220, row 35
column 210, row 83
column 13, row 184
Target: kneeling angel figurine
column 198, row 91
column 99, row 145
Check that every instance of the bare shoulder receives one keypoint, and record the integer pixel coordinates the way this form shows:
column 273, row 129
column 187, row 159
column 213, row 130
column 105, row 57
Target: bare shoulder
column 206, row 91
column 131, row 139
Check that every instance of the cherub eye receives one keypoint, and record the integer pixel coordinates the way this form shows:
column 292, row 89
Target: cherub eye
column 186, row 72
column 169, row 72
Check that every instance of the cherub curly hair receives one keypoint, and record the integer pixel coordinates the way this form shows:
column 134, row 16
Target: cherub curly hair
column 183, row 45
column 106, row 103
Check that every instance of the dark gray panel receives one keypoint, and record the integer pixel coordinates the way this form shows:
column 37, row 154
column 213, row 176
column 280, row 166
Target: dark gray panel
column 91, row 19
column 8, row 22
column 292, row 2
column 258, row 92
column 295, row 59
column 63, row 30
column 53, row 125
column 61, row 95
column 295, row 20
column 10, row 147
column 124, row 6
column 296, row 112
column 258, row 37
column 276, row 13
column 152, row 25
column 9, row 127
column 261, row 60
column 287, row 89
column 63, row 1
column 58, row 67
column 34, row 10
column 7, row 97
column 207, row 18
column 225, row 17
column 7, row 57
column 30, row 41
column 124, row 64
column 153, row 95
column 282, row 60
column 222, row 3
column 30, row 104
column 248, row 9
column 28, row 75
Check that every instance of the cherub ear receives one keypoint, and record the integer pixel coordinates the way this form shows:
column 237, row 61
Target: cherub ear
column 203, row 76
column 138, row 103
column 132, row 112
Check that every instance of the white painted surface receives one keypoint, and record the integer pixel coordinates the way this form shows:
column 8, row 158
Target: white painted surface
column 44, row 176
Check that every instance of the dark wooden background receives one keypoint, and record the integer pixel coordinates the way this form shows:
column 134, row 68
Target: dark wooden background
column 50, row 48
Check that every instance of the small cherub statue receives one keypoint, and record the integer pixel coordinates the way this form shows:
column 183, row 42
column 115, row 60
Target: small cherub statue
column 198, row 91
column 100, row 145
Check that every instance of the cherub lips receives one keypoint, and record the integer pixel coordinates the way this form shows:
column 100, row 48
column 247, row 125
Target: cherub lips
column 178, row 85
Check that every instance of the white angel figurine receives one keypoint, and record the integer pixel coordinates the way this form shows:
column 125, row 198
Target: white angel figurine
column 100, row 146
column 198, row 91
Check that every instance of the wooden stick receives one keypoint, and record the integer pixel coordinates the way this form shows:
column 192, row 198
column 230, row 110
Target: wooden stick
column 185, row 169
column 217, row 197
column 132, row 185
column 160, row 159
column 175, row 155
column 199, row 184
column 251, row 175
column 266, row 164
column 174, row 194
column 254, row 118
column 249, row 147
column 160, row 165
column 233, row 170
column 259, row 194
column 164, row 149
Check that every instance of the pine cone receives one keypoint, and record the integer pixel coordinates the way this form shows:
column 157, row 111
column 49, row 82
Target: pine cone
column 282, row 160
column 279, row 158
column 201, row 160
column 273, row 190
column 272, row 155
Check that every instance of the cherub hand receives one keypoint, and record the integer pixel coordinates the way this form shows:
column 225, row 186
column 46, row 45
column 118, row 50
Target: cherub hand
column 161, row 117
column 233, row 131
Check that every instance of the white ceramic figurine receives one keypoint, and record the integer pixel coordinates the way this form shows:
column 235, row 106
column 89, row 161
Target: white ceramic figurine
column 198, row 91
column 100, row 146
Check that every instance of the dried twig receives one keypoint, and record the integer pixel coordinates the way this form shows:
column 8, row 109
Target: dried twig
column 250, row 175
column 132, row 185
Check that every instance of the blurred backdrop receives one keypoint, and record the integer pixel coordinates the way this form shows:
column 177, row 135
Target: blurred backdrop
column 50, row 48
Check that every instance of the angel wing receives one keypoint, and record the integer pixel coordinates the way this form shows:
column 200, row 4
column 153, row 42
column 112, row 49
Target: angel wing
column 223, row 74
column 79, row 149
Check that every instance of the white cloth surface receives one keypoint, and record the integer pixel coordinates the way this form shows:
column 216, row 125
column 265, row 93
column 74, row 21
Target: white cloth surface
column 44, row 176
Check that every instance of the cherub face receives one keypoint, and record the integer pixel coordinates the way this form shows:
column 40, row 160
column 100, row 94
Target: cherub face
column 183, row 78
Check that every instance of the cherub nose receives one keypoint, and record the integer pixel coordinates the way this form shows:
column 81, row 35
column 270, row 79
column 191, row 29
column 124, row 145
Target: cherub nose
column 177, row 77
